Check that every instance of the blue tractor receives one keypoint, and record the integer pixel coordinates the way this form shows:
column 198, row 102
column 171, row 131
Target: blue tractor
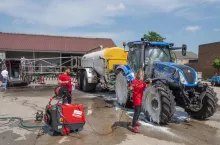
column 173, row 84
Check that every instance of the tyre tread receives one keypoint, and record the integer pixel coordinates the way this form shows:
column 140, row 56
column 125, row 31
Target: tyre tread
column 209, row 107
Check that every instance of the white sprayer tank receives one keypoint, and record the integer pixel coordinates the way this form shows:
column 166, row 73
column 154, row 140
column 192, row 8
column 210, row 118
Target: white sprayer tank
column 104, row 59
column 93, row 60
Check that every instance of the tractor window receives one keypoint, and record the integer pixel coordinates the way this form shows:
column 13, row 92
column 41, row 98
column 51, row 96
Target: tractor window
column 135, row 59
column 157, row 54
column 153, row 54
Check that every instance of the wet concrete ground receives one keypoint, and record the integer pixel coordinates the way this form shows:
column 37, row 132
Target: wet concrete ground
column 102, row 113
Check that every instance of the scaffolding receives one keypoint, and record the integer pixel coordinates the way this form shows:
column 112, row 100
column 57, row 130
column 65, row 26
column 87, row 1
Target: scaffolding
column 47, row 65
column 32, row 69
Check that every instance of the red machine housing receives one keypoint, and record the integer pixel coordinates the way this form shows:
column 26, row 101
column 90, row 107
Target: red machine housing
column 73, row 113
column 64, row 118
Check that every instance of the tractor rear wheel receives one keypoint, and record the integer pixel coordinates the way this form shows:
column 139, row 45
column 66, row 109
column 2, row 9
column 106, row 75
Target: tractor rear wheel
column 208, row 108
column 158, row 104
column 121, row 90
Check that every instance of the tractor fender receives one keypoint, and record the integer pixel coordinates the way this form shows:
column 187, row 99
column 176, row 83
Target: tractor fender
column 202, row 95
column 127, row 71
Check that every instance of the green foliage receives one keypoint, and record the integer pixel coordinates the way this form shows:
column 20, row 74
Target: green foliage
column 154, row 36
column 216, row 64
column 173, row 58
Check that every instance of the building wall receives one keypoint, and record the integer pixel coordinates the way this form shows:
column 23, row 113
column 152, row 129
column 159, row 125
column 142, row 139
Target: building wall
column 29, row 55
column 183, row 61
column 207, row 54
column 2, row 55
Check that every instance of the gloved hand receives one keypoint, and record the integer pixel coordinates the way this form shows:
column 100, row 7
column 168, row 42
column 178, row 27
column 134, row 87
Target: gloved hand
column 148, row 81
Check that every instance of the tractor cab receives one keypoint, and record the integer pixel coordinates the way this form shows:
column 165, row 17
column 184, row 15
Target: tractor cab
column 144, row 54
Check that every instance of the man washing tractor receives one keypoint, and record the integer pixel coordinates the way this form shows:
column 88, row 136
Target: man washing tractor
column 65, row 80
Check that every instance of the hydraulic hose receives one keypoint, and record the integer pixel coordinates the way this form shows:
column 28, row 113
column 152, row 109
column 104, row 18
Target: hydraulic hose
column 21, row 123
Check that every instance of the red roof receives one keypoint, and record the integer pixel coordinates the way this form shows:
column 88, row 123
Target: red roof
column 30, row 42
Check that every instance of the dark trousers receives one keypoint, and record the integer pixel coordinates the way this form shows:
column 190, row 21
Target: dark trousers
column 137, row 111
column 68, row 98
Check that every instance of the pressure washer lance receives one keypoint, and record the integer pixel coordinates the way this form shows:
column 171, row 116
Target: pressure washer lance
column 147, row 81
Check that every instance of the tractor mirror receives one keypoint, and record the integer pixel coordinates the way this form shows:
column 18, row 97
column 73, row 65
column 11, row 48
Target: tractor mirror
column 124, row 44
column 184, row 48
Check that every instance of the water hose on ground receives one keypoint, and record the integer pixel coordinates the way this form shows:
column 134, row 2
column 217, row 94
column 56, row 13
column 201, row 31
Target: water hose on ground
column 21, row 122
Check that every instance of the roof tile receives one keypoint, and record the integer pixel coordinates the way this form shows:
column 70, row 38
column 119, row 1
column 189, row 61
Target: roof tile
column 30, row 42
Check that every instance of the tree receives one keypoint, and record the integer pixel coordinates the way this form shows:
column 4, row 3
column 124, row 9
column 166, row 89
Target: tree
column 216, row 64
column 154, row 36
column 173, row 58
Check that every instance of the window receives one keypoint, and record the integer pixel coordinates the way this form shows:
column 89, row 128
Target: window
column 135, row 58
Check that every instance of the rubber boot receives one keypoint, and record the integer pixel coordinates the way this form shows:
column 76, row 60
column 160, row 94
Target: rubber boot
column 135, row 130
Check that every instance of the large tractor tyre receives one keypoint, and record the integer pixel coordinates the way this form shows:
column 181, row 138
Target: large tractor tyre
column 208, row 108
column 121, row 90
column 80, row 80
column 87, row 87
column 158, row 104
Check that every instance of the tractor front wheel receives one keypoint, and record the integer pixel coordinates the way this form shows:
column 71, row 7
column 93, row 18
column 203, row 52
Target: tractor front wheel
column 208, row 107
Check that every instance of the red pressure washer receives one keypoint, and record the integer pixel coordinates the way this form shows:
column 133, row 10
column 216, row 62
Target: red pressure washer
column 64, row 118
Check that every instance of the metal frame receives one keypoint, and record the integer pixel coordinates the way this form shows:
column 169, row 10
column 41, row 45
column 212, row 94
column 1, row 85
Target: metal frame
column 25, row 63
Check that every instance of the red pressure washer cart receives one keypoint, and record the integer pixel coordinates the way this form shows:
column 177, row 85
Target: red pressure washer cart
column 64, row 118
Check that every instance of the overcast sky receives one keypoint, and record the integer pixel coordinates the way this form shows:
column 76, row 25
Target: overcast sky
column 192, row 22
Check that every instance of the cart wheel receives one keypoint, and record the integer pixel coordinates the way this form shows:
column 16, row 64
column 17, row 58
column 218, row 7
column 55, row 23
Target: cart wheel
column 65, row 131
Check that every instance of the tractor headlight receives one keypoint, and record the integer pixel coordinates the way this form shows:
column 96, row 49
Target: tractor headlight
column 132, row 74
column 182, row 79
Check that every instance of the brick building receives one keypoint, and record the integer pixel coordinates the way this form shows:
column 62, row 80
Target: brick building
column 207, row 54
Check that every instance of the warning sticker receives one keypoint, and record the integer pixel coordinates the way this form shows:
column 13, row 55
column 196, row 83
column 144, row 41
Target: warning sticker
column 77, row 113
column 59, row 127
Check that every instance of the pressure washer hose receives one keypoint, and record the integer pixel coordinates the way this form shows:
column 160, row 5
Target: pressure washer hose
column 105, row 134
column 21, row 122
